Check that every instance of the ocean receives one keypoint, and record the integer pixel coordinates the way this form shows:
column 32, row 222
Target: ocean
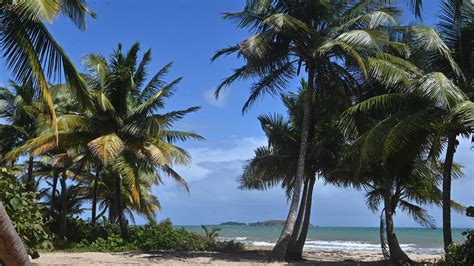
column 417, row 240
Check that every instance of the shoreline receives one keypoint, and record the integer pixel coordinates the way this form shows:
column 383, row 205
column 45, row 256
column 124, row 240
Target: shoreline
column 253, row 255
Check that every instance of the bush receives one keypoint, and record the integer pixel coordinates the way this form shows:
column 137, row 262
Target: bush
column 25, row 214
column 79, row 230
column 104, row 237
column 461, row 254
column 164, row 237
column 113, row 243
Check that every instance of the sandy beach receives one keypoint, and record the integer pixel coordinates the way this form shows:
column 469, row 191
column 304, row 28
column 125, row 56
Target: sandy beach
column 252, row 256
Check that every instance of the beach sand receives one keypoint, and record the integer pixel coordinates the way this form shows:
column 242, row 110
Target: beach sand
column 251, row 256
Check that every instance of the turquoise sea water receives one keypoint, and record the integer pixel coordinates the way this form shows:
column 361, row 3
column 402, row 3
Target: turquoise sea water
column 419, row 240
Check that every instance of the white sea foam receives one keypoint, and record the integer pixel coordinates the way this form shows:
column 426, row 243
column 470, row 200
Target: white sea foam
column 236, row 238
column 352, row 245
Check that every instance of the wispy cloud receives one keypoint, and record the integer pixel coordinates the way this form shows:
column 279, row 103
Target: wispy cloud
column 240, row 149
column 211, row 99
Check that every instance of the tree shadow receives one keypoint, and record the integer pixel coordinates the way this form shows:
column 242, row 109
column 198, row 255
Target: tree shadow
column 247, row 256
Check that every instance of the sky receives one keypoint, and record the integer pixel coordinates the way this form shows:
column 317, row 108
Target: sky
column 188, row 33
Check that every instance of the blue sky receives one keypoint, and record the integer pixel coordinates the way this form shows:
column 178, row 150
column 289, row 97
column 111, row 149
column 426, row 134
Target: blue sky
column 188, row 32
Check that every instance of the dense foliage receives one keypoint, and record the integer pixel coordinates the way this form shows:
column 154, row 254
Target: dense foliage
column 381, row 110
column 26, row 214
column 462, row 254
column 104, row 237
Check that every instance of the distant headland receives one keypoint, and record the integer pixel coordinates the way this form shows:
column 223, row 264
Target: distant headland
column 260, row 223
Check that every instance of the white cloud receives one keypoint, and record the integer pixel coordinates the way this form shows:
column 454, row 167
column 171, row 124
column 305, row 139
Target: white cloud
column 235, row 150
column 211, row 99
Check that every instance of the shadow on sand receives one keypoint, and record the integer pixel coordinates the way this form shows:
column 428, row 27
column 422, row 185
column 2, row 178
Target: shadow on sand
column 248, row 256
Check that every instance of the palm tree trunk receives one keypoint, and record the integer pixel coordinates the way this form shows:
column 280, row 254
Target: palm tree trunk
column 29, row 178
column 94, row 195
column 383, row 245
column 448, row 165
column 62, row 213
column 397, row 255
column 12, row 249
column 296, row 253
column 299, row 218
column 279, row 251
column 121, row 218
column 53, row 191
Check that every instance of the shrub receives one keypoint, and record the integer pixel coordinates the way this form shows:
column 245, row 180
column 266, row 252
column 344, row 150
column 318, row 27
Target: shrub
column 461, row 254
column 104, row 237
column 164, row 237
column 25, row 214
column 79, row 230
column 113, row 243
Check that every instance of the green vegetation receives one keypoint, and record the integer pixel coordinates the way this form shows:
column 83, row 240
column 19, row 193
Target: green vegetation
column 394, row 98
column 381, row 108
column 26, row 215
column 105, row 237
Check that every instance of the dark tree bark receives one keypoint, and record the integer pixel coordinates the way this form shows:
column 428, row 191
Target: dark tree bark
column 296, row 252
column 448, row 165
column 30, row 184
column 121, row 218
column 397, row 255
column 299, row 218
column 12, row 249
column 94, row 194
column 280, row 248
column 53, row 191
column 62, row 212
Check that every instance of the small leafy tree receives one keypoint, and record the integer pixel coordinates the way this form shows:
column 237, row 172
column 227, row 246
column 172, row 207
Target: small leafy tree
column 25, row 213
column 211, row 233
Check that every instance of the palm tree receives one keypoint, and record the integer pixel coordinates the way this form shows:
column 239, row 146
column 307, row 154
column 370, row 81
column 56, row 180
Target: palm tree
column 291, row 34
column 68, row 203
column 147, row 205
column 457, row 30
column 19, row 109
column 397, row 129
column 276, row 163
column 124, row 131
column 31, row 53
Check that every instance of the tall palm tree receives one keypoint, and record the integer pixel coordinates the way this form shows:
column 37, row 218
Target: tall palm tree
column 313, row 34
column 457, row 29
column 398, row 128
column 31, row 52
column 19, row 108
column 124, row 130
column 276, row 163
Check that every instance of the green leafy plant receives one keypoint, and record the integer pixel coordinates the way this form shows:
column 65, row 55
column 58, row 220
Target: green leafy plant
column 113, row 243
column 164, row 236
column 211, row 233
column 25, row 214
column 462, row 254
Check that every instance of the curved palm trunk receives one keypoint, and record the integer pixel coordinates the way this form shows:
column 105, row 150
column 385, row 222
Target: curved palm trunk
column 121, row 218
column 62, row 213
column 397, row 255
column 448, row 165
column 12, row 249
column 296, row 252
column 383, row 245
column 299, row 218
column 53, row 191
column 29, row 178
column 279, row 251
column 94, row 195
